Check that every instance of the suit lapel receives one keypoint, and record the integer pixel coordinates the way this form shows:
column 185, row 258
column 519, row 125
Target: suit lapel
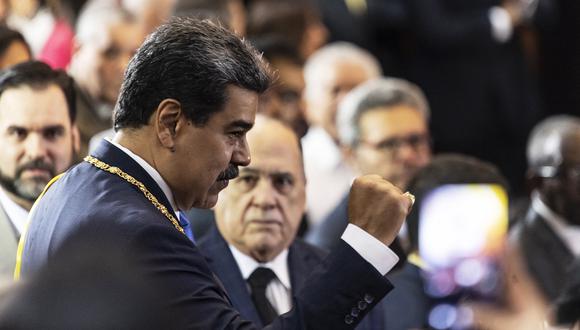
column 222, row 263
column 548, row 256
column 113, row 156
column 8, row 245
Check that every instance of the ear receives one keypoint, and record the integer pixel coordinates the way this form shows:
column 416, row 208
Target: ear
column 76, row 139
column 165, row 122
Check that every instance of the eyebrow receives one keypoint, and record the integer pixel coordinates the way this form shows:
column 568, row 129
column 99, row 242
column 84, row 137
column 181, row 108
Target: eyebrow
column 42, row 129
column 241, row 124
column 246, row 170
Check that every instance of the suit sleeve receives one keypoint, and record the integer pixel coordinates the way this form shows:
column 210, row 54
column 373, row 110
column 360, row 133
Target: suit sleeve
column 337, row 295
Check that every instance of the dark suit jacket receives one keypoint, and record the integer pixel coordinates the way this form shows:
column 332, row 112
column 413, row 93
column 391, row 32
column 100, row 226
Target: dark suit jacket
column 545, row 254
column 90, row 200
column 302, row 259
column 407, row 307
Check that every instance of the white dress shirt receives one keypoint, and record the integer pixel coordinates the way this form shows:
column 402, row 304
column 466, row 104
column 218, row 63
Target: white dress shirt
column 16, row 213
column 367, row 246
column 328, row 176
column 279, row 290
column 569, row 234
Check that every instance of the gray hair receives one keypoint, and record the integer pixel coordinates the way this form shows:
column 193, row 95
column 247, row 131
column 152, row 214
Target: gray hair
column 92, row 32
column 328, row 56
column 95, row 19
column 545, row 142
column 381, row 92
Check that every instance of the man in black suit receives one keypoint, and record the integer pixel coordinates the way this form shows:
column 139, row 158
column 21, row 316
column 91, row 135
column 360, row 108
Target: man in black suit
column 549, row 234
column 257, row 218
column 189, row 97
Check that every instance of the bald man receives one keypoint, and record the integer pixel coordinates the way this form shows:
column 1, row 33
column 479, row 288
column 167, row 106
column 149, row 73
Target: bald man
column 253, row 249
column 549, row 234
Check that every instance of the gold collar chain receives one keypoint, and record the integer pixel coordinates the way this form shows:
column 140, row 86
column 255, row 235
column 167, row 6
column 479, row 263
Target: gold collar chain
column 117, row 171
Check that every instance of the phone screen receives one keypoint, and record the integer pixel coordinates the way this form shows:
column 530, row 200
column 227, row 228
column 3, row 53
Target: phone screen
column 462, row 232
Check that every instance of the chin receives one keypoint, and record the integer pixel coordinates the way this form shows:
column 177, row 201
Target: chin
column 209, row 202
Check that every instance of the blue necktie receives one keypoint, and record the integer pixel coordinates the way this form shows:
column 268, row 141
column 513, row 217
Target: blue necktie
column 184, row 223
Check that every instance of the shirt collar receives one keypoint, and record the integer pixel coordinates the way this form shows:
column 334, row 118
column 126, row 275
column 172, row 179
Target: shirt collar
column 278, row 265
column 16, row 213
column 570, row 234
column 152, row 172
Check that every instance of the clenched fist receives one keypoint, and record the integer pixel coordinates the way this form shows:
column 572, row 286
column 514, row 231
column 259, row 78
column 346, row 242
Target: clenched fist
column 378, row 207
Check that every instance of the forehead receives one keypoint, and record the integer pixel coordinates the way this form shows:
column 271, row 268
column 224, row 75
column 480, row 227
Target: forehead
column 397, row 120
column 240, row 107
column 274, row 148
column 347, row 73
column 27, row 107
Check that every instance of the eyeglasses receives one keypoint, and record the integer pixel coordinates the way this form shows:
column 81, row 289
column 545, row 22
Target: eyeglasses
column 417, row 142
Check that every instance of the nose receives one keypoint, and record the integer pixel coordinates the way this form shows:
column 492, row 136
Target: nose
column 264, row 194
column 36, row 147
column 241, row 155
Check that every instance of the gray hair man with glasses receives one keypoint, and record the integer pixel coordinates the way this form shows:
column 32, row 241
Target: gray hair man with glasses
column 549, row 233
column 383, row 129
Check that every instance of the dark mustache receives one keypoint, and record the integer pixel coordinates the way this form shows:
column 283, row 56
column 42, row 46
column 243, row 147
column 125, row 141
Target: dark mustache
column 231, row 172
column 37, row 164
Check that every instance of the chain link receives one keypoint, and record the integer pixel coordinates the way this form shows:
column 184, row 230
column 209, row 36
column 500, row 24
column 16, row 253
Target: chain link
column 117, row 171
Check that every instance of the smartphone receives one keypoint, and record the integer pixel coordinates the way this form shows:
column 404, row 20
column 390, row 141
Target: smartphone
column 462, row 233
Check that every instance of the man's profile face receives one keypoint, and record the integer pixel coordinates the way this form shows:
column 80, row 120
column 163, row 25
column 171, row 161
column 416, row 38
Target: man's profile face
column 259, row 213
column 208, row 156
column 393, row 143
column 124, row 39
column 36, row 136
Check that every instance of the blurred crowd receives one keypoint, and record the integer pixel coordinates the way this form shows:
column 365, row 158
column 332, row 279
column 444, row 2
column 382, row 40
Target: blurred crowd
column 424, row 93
